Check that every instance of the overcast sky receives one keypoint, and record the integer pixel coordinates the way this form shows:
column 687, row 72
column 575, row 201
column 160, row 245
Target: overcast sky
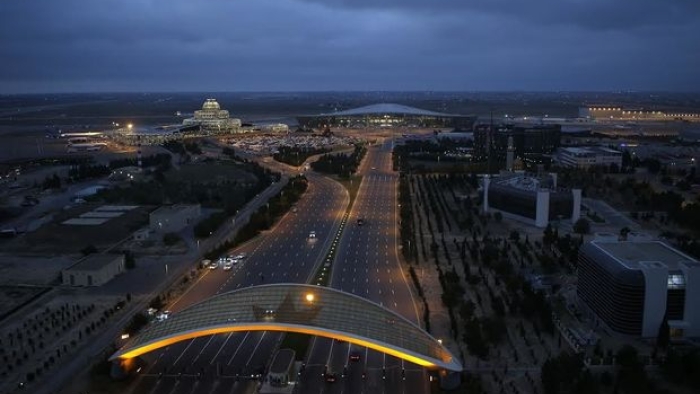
column 308, row 45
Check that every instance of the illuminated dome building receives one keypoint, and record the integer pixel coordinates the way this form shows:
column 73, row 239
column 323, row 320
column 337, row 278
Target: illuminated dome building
column 212, row 117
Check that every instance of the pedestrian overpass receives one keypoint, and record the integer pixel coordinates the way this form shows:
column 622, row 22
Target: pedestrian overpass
column 307, row 309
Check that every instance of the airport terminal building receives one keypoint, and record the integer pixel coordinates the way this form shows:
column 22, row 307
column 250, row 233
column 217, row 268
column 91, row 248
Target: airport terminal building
column 632, row 285
column 387, row 115
column 616, row 112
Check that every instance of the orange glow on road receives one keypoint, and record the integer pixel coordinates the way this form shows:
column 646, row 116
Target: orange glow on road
column 135, row 352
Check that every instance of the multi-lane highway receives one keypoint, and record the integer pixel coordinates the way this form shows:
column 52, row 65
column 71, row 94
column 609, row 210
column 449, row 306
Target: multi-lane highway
column 284, row 254
column 367, row 265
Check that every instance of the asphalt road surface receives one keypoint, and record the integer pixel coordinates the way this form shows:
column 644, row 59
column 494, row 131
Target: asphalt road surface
column 367, row 265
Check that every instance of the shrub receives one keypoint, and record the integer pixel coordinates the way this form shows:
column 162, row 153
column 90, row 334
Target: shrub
column 170, row 239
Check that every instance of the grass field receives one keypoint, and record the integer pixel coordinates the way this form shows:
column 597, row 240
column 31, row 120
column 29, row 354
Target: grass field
column 55, row 237
column 195, row 172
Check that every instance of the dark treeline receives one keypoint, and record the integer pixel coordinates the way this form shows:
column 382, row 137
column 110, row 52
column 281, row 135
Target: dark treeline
column 295, row 156
column 159, row 160
column 340, row 164
column 182, row 148
column 262, row 219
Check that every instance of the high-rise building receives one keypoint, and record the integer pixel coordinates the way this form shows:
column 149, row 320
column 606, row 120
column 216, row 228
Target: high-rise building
column 633, row 285
column 534, row 144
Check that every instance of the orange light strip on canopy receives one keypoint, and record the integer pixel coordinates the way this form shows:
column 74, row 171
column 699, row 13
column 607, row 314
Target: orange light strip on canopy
column 271, row 327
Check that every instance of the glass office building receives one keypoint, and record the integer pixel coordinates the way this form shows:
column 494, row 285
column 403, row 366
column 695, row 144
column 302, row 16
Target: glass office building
column 632, row 286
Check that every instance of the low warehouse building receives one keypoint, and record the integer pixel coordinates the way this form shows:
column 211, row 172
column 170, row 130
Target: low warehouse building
column 94, row 270
column 173, row 218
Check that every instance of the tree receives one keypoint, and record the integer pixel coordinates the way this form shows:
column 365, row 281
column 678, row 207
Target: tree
column 631, row 375
column 129, row 260
column 498, row 216
column 627, row 356
column 494, row 329
column 624, row 231
column 90, row 249
column 170, row 239
column 137, row 322
column 582, row 226
column 548, row 235
column 562, row 373
column 514, row 236
column 664, row 337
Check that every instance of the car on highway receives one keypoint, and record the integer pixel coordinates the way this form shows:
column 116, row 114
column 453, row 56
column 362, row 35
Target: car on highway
column 213, row 265
column 240, row 256
column 312, row 234
column 330, row 377
column 163, row 316
column 354, row 357
column 360, row 221
column 228, row 265
column 374, row 168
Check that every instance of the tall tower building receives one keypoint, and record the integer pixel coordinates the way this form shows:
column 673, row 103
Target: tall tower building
column 510, row 154
column 487, row 183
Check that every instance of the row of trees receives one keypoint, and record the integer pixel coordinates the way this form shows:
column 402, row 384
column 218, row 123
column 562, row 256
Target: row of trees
column 182, row 148
column 485, row 260
column 263, row 218
column 341, row 164
column 50, row 335
column 228, row 195
column 566, row 373
column 295, row 156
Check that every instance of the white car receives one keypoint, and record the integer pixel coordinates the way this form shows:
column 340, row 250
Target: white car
column 312, row 234
column 240, row 256
column 228, row 265
column 163, row 316
column 214, row 265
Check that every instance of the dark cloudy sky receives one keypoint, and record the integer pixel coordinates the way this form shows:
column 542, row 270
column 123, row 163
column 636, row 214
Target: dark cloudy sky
column 289, row 45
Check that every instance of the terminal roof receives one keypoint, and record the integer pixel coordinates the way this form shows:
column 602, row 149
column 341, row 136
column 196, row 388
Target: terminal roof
column 386, row 109
column 632, row 253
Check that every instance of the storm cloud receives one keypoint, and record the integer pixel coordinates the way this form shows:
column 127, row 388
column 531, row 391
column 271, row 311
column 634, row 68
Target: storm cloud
column 306, row 45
